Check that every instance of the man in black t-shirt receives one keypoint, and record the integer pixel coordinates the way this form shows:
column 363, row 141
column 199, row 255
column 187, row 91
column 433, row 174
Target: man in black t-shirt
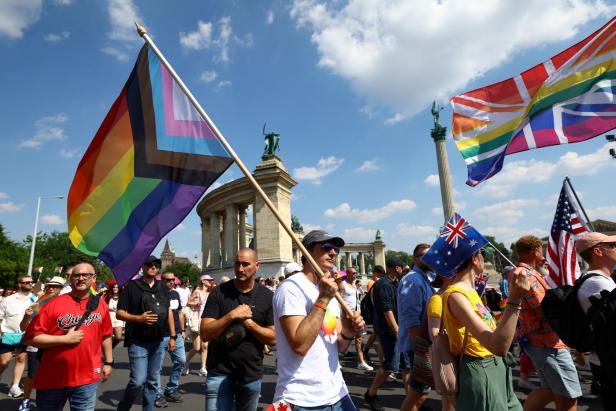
column 237, row 321
column 144, row 305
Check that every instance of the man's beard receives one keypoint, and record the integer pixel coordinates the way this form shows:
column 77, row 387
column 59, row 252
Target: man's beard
column 543, row 271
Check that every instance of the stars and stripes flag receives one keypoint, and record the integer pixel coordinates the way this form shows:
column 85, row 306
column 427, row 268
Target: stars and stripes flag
column 567, row 99
column 569, row 222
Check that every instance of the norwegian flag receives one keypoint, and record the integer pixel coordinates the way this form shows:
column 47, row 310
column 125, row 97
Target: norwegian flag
column 567, row 225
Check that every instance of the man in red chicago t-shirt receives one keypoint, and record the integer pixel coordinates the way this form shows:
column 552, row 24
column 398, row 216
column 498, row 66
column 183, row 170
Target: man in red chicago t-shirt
column 70, row 367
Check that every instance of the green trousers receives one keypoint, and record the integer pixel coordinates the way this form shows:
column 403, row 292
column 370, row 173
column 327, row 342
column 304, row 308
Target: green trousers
column 485, row 384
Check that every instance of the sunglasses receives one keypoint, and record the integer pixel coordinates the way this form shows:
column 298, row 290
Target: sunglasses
column 155, row 265
column 608, row 245
column 81, row 275
column 327, row 247
column 169, row 279
column 25, row 282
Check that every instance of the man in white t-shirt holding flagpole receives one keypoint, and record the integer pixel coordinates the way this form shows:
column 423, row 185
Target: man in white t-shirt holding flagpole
column 310, row 332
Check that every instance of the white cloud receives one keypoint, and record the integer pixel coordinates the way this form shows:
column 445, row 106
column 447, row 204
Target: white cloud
column 63, row 2
column 215, row 35
column 123, row 15
column 409, row 230
column 116, row 52
column 208, row 76
column 68, row 153
column 432, row 180
column 345, row 211
column 213, row 187
column 508, row 234
column 515, row 173
column 458, row 206
column 324, row 167
column 51, row 219
column 46, row 130
column 18, row 15
column 573, row 163
column 358, row 234
column 269, row 18
column 3, row 196
column 369, row 165
column 224, row 83
column 180, row 227
column 507, row 212
column 10, row 207
column 56, row 38
column 198, row 40
column 309, row 227
column 387, row 49
column 603, row 212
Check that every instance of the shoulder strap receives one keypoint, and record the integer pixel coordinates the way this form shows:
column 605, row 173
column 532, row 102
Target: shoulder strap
column 578, row 283
column 91, row 305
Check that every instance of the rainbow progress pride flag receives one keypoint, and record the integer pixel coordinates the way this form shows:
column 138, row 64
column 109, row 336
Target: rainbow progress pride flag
column 147, row 166
column 566, row 99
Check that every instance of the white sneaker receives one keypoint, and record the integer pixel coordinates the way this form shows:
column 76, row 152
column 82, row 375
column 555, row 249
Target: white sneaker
column 364, row 366
column 202, row 372
column 15, row 392
column 527, row 385
column 391, row 377
column 186, row 370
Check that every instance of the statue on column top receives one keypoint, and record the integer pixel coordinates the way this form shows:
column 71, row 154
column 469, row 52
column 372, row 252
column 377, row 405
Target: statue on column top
column 438, row 131
column 272, row 143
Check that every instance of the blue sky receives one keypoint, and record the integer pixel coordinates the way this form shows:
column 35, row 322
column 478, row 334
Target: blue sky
column 348, row 85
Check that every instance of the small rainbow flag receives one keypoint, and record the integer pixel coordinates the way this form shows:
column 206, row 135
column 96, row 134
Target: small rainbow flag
column 566, row 99
column 149, row 163
column 40, row 302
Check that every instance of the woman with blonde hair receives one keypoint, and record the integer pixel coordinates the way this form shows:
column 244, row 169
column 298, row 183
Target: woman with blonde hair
column 196, row 302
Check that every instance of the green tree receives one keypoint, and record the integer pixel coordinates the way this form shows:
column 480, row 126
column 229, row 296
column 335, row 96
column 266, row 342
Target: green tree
column 13, row 260
column 406, row 257
column 494, row 257
column 182, row 270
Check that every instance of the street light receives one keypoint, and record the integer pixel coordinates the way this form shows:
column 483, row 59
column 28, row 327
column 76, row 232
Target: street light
column 611, row 138
column 38, row 208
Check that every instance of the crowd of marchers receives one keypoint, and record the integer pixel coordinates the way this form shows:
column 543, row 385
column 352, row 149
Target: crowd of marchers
column 439, row 330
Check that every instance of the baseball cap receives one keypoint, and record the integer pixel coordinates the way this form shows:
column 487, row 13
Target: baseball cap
column 319, row 236
column 206, row 277
column 59, row 281
column 588, row 240
column 292, row 268
column 152, row 259
column 394, row 262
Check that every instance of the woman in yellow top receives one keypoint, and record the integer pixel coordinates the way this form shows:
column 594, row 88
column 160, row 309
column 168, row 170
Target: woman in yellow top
column 484, row 380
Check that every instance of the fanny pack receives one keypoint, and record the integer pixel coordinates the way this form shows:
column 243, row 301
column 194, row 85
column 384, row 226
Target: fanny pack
column 9, row 338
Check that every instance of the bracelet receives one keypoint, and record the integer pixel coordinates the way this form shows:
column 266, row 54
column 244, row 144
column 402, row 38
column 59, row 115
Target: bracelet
column 109, row 363
column 347, row 338
column 517, row 307
column 320, row 305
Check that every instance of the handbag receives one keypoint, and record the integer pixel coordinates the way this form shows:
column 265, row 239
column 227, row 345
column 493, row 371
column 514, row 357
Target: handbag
column 445, row 366
column 9, row 338
column 422, row 362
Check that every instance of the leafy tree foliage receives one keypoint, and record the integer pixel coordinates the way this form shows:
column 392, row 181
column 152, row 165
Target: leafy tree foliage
column 406, row 257
column 499, row 262
column 182, row 270
column 13, row 260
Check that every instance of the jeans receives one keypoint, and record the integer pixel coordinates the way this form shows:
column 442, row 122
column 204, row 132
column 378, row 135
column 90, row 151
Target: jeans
column 178, row 359
column 345, row 404
column 221, row 391
column 80, row 398
column 146, row 359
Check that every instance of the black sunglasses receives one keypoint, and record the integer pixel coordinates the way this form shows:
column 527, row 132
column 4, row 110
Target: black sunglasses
column 25, row 282
column 327, row 247
column 169, row 279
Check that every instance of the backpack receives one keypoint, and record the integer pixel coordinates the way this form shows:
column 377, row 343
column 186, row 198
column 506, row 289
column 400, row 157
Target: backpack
column 153, row 299
column 563, row 312
column 367, row 308
column 602, row 317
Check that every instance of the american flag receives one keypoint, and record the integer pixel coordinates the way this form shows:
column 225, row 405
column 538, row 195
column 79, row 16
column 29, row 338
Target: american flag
column 568, row 224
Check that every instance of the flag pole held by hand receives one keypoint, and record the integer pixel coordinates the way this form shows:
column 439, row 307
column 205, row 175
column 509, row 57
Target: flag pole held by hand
column 143, row 33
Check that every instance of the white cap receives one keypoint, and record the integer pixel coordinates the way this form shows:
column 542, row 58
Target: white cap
column 292, row 268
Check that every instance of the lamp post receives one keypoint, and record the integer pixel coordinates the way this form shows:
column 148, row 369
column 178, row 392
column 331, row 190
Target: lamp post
column 38, row 209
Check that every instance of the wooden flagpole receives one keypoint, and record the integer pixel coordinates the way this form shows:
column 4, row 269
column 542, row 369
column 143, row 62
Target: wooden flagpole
column 143, row 33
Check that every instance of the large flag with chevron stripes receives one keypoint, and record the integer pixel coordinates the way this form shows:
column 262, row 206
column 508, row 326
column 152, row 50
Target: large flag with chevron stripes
column 566, row 99
column 147, row 166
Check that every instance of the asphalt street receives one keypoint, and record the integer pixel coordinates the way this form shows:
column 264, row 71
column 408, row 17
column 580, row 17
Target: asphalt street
column 192, row 387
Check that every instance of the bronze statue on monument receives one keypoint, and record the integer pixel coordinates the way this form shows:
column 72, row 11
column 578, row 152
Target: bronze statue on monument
column 272, row 143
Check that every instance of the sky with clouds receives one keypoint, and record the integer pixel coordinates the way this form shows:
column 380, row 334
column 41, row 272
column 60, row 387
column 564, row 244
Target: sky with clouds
column 347, row 84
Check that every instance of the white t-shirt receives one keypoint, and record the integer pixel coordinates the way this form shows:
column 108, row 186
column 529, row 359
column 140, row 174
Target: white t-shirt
column 349, row 295
column 316, row 378
column 184, row 295
column 12, row 310
column 594, row 286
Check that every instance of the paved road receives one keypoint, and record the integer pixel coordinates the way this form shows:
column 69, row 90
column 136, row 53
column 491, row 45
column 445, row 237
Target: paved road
column 193, row 387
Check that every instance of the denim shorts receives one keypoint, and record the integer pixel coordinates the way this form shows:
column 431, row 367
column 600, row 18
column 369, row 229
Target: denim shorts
column 408, row 357
column 17, row 348
column 391, row 356
column 556, row 370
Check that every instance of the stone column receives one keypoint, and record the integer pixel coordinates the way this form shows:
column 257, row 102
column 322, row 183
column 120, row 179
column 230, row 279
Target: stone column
column 379, row 253
column 242, row 223
column 205, row 241
column 439, row 134
column 231, row 233
column 338, row 261
column 214, row 240
column 362, row 264
column 348, row 260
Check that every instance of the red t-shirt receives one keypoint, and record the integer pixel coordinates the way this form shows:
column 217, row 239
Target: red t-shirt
column 75, row 364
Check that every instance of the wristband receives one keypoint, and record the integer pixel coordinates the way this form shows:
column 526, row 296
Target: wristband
column 320, row 305
column 347, row 338
column 517, row 307
column 174, row 337
column 109, row 363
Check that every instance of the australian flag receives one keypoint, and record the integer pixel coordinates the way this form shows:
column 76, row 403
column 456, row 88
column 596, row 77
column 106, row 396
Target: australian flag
column 458, row 240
